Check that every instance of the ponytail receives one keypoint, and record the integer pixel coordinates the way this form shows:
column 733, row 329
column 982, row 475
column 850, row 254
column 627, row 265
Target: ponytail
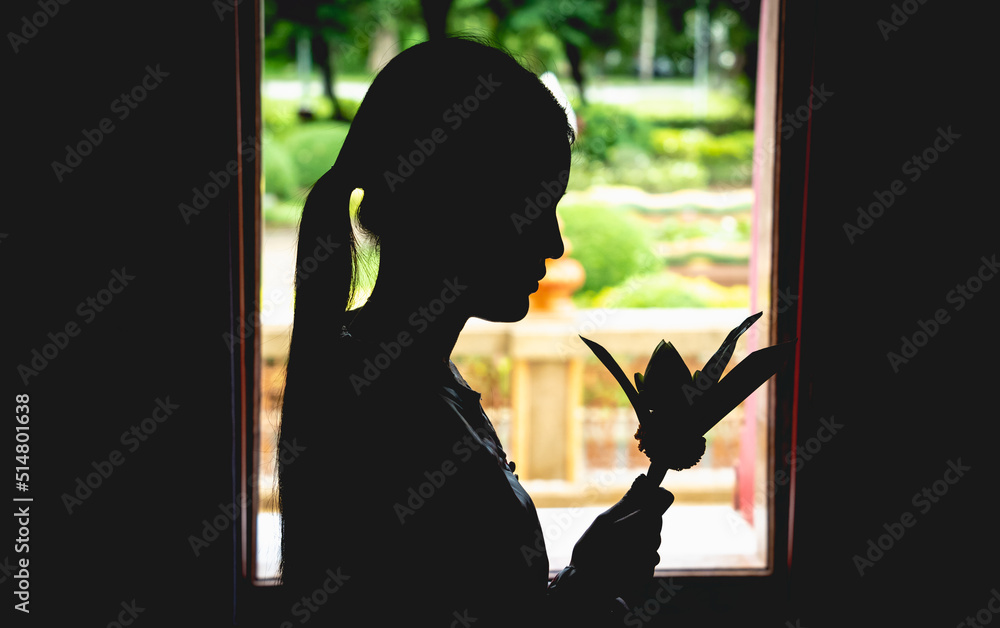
column 325, row 272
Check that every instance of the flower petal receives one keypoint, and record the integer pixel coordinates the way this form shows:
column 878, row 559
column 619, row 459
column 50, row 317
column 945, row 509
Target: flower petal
column 619, row 375
column 666, row 366
column 717, row 363
column 664, row 381
column 742, row 380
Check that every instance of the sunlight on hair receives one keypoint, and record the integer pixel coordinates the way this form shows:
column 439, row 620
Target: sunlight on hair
column 356, row 195
column 551, row 81
column 367, row 255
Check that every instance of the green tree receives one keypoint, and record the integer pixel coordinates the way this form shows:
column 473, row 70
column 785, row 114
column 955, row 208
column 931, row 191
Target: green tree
column 317, row 24
column 583, row 27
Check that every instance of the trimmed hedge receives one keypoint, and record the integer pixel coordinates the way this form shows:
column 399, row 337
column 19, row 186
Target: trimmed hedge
column 666, row 289
column 313, row 148
column 611, row 245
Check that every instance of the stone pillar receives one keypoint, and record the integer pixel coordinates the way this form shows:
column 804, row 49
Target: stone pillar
column 547, row 377
column 547, row 391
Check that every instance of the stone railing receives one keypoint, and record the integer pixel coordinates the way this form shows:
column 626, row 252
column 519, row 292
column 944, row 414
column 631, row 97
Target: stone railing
column 547, row 361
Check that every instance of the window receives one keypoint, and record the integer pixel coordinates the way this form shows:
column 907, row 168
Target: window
column 665, row 159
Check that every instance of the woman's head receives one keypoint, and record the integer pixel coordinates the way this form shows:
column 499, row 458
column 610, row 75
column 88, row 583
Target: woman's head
column 454, row 146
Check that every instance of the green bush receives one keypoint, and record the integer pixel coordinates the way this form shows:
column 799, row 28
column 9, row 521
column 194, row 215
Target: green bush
column 675, row 229
column 660, row 175
column 279, row 116
column 279, row 171
column 283, row 214
column 726, row 113
column 313, row 148
column 725, row 158
column 611, row 245
column 703, row 256
column 282, row 116
column 349, row 107
column 729, row 158
column 616, row 146
column 741, row 120
column 679, row 143
column 607, row 126
column 666, row 289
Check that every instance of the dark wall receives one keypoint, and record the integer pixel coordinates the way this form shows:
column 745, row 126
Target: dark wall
column 903, row 78
column 869, row 546
column 161, row 336
column 158, row 338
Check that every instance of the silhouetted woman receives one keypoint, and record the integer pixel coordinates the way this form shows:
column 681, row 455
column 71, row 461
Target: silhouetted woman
column 402, row 508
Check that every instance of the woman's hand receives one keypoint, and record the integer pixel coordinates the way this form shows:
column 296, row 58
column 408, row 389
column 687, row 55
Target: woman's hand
column 616, row 556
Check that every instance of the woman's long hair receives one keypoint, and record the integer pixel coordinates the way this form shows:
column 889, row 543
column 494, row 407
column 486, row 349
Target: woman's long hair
column 406, row 107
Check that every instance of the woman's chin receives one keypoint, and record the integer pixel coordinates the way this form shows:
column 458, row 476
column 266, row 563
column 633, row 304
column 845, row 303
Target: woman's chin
column 509, row 311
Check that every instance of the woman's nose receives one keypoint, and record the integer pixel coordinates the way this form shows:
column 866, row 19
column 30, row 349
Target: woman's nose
column 554, row 243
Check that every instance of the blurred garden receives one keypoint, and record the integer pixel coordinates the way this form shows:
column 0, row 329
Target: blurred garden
column 659, row 203
column 658, row 213
column 661, row 91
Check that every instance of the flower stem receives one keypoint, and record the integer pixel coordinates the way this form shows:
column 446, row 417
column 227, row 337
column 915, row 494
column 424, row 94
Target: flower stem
column 657, row 471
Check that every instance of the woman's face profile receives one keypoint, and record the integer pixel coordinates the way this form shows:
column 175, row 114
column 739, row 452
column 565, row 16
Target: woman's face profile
column 513, row 231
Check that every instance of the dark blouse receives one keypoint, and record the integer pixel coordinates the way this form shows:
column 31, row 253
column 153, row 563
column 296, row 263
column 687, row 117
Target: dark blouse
column 420, row 514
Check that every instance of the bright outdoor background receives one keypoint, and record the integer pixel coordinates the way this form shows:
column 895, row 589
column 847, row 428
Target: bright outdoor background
column 659, row 216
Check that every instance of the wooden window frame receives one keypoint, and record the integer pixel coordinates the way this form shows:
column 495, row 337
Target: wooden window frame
column 789, row 34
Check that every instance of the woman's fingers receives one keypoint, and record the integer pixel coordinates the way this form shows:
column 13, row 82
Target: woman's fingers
column 644, row 492
column 640, row 528
column 662, row 500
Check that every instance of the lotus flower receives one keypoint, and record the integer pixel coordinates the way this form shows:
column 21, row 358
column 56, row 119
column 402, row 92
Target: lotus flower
column 676, row 409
